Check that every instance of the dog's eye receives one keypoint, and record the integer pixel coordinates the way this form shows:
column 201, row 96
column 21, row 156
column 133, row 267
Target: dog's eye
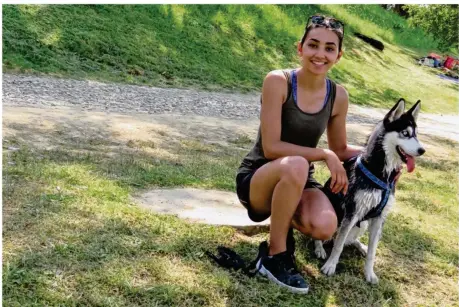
column 405, row 133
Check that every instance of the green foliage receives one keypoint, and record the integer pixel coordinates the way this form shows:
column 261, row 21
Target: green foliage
column 439, row 20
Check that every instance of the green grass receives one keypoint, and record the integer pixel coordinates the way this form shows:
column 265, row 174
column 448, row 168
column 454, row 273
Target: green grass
column 219, row 47
column 72, row 234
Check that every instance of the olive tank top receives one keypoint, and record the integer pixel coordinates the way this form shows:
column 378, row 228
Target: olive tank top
column 297, row 127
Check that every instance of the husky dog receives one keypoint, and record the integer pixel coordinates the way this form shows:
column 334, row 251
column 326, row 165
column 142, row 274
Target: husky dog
column 372, row 176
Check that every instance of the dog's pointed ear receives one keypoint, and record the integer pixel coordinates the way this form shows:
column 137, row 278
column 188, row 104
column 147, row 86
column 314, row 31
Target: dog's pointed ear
column 396, row 111
column 415, row 110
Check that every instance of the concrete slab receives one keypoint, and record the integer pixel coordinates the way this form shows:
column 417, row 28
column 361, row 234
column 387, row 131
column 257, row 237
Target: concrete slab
column 202, row 206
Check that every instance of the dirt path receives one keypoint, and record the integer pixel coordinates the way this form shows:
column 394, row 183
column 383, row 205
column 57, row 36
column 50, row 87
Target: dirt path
column 34, row 108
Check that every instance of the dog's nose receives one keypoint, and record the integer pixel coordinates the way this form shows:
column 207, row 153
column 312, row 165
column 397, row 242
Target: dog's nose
column 421, row 151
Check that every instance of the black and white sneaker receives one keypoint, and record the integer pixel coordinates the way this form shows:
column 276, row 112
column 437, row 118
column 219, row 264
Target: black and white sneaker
column 281, row 269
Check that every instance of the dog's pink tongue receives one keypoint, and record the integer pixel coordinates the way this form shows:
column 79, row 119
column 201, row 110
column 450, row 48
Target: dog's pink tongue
column 409, row 163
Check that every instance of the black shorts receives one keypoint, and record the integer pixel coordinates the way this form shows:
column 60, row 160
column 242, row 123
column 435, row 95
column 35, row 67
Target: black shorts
column 243, row 179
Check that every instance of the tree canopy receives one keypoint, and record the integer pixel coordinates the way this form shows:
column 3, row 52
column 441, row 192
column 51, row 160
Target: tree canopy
column 439, row 20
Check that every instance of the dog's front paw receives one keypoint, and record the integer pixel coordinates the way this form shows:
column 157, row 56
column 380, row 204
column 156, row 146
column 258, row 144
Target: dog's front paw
column 320, row 251
column 371, row 277
column 329, row 267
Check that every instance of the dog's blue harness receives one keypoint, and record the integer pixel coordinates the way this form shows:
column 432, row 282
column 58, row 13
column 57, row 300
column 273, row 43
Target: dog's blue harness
column 387, row 188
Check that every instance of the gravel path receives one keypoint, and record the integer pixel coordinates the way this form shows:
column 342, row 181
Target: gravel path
column 35, row 91
column 111, row 97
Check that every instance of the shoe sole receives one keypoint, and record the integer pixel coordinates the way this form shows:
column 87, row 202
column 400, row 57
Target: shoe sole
column 263, row 271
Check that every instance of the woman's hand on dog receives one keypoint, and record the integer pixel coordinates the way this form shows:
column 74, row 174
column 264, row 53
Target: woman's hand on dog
column 339, row 181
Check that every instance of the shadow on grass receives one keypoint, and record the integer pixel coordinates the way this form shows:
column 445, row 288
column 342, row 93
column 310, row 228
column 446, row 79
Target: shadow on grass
column 442, row 141
column 157, row 260
column 92, row 247
column 441, row 165
column 412, row 245
column 179, row 158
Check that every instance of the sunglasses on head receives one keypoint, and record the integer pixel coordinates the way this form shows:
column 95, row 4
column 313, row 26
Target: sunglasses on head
column 326, row 21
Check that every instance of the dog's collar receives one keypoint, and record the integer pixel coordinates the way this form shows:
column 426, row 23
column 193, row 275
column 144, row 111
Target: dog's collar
column 375, row 179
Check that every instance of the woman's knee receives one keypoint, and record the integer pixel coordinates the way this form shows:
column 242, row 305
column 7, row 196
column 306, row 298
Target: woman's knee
column 320, row 226
column 295, row 169
column 323, row 226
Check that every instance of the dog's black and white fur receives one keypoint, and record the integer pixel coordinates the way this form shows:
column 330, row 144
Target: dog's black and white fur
column 392, row 143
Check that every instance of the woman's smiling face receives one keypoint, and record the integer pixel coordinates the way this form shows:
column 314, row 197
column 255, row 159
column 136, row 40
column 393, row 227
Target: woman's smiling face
column 320, row 51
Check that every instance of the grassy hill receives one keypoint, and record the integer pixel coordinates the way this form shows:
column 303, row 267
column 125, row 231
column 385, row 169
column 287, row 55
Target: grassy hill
column 218, row 47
